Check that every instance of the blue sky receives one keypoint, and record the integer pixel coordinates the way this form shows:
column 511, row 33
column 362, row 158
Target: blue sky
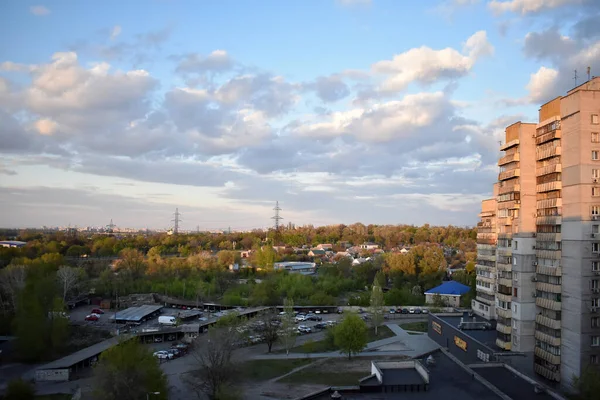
column 376, row 111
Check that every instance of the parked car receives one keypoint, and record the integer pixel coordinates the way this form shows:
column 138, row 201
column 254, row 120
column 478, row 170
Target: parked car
column 282, row 313
column 92, row 317
column 97, row 315
column 425, row 311
column 392, row 311
column 405, row 311
column 163, row 354
column 313, row 317
column 304, row 329
column 176, row 353
column 300, row 318
column 340, row 311
column 366, row 317
column 318, row 312
column 321, row 325
column 411, row 310
column 331, row 323
column 97, row 311
column 418, row 311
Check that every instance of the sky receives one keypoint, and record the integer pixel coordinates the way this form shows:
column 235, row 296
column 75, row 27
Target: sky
column 344, row 111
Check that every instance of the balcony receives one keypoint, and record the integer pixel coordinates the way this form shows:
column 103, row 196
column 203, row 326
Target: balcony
column 548, row 169
column 506, row 329
column 488, row 279
column 485, row 230
column 547, row 372
column 549, row 203
column 548, row 237
column 509, row 189
column 486, row 257
column 484, row 267
column 504, row 297
column 510, row 144
column 548, row 254
column 547, row 356
column 504, row 313
column 508, row 159
column 547, row 287
column 547, row 321
column 502, row 344
column 543, row 153
column 546, row 137
column 505, row 282
column 547, row 304
column 504, row 252
column 550, row 271
column 509, row 205
column 548, row 186
column 544, row 337
column 485, row 301
column 504, row 267
column 484, row 289
column 505, row 235
column 513, row 173
column 486, row 241
column 548, row 220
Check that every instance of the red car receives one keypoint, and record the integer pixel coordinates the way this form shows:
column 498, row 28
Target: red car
column 92, row 317
column 97, row 311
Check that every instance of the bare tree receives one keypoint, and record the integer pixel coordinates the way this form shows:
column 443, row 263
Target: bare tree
column 12, row 281
column 215, row 371
column 68, row 278
column 288, row 332
column 268, row 326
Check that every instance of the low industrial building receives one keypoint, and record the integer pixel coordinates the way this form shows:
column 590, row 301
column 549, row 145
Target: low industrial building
column 12, row 243
column 136, row 315
column 450, row 292
column 296, row 267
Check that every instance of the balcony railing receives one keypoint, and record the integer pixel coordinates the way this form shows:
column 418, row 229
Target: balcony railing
column 488, row 279
column 504, row 313
column 505, row 282
column 548, row 169
column 547, row 321
column 542, row 153
column 509, row 174
column 548, row 237
column 504, row 267
column 544, row 337
column 483, row 300
column 549, row 203
column 548, row 304
column 548, row 220
column 547, row 356
column 508, row 158
column 550, row 271
column 505, row 252
column 504, row 297
column 505, row 235
column 509, row 205
column 509, row 189
column 548, row 287
column 548, row 136
column 547, row 372
column 548, row 187
column 486, row 241
column 506, row 329
column 549, row 254
column 484, row 289
column 502, row 344
column 486, row 257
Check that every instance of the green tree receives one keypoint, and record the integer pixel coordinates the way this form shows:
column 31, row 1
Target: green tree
column 377, row 310
column 288, row 328
column 132, row 262
column 128, row 371
column 18, row 389
column 351, row 335
column 587, row 385
column 438, row 301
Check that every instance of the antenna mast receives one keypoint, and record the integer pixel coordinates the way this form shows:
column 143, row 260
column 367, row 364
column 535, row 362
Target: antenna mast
column 277, row 217
column 589, row 72
column 176, row 221
column 575, row 77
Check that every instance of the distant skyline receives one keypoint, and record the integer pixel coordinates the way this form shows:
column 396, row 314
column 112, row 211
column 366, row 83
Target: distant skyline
column 344, row 111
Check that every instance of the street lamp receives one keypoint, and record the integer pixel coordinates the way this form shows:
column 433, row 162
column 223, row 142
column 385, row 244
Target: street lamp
column 148, row 395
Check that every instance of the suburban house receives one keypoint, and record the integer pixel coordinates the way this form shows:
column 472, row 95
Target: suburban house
column 296, row 267
column 360, row 260
column 450, row 291
column 324, row 246
column 246, row 253
column 404, row 250
column 369, row 246
column 316, row 253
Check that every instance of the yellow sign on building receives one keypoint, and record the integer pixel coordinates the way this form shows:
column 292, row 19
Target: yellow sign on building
column 436, row 327
column 461, row 344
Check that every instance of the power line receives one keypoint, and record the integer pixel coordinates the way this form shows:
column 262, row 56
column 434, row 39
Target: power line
column 277, row 217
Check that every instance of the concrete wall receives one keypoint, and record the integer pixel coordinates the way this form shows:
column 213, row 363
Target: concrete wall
column 52, row 375
column 451, row 301
column 483, row 310
column 523, row 304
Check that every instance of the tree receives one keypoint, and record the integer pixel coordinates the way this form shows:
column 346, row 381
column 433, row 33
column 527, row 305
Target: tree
column 68, row 278
column 215, row 371
column 587, row 385
column 380, row 279
column 128, row 371
column 18, row 389
column 132, row 261
column 12, row 281
column 438, row 301
column 288, row 334
column 268, row 327
column 377, row 303
column 351, row 335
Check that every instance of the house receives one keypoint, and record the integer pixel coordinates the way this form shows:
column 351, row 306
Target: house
column 341, row 254
column 296, row 267
column 360, row 260
column 369, row 246
column 12, row 243
column 246, row 253
column 324, row 246
column 378, row 251
column 316, row 253
column 404, row 250
column 450, row 291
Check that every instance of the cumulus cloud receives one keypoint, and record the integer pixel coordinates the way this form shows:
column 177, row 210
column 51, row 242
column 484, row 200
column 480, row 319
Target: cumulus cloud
column 216, row 61
column 528, row 6
column 39, row 10
column 330, row 88
column 425, row 65
column 115, row 32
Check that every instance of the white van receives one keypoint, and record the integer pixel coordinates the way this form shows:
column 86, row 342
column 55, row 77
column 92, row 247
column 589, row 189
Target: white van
column 166, row 320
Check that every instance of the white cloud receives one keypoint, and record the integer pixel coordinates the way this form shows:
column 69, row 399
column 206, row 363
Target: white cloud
column 425, row 65
column 39, row 10
column 45, row 126
column 354, row 2
column 115, row 32
column 216, row 61
column 528, row 6
column 542, row 85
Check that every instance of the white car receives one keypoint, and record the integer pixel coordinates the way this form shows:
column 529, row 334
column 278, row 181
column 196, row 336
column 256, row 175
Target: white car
column 282, row 313
column 300, row 318
column 162, row 354
column 411, row 310
column 424, row 311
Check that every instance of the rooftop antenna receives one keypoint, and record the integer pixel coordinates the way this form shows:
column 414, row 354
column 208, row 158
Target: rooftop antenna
column 575, row 77
column 589, row 72
column 176, row 221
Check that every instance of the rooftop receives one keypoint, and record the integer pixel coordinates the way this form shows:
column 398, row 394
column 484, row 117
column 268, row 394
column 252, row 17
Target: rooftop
column 16, row 243
column 510, row 383
column 449, row 288
column 487, row 337
column 82, row 355
column 136, row 314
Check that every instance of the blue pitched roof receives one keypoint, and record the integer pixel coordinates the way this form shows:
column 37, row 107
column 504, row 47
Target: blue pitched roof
column 450, row 288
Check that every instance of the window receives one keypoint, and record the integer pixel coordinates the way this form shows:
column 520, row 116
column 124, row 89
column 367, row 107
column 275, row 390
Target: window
column 595, row 228
column 515, row 292
column 595, row 284
column 515, row 276
column 596, row 247
column 514, row 307
column 596, row 191
column 516, row 245
column 595, row 210
column 595, row 340
column 595, row 155
column 595, row 137
column 595, row 302
column 595, row 322
column 515, row 324
column 593, row 359
column 515, row 341
column 595, row 119
column 514, row 260
column 595, row 266
column 596, row 173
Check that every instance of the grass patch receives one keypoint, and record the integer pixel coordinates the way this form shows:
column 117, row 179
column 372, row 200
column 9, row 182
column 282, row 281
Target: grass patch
column 383, row 333
column 262, row 370
column 415, row 333
column 54, row 397
column 317, row 377
column 415, row 326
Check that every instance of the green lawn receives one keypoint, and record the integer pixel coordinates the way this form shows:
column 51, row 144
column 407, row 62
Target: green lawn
column 262, row 370
column 317, row 377
column 415, row 326
column 383, row 333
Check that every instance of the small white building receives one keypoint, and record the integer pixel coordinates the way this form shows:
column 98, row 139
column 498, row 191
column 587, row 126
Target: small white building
column 12, row 243
column 369, row 246
column 296, row 267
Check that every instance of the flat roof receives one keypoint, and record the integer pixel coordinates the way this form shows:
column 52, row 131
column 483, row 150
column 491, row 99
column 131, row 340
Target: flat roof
column 135, row 314
column 486, row 337
column 404, row 376
column 81, row 355
column 511, row 384
column 184, row 314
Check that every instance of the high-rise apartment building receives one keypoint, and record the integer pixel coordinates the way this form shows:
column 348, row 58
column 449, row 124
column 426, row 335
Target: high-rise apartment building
column 547, row 271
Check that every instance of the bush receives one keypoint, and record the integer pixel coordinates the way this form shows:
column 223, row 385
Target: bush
column 19, row 389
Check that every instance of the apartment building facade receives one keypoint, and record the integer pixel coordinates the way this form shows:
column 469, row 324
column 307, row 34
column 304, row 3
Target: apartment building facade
column 547, row 288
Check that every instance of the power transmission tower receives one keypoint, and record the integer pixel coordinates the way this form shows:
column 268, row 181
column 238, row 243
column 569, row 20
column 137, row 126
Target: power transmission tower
column 277, row 217
column 111, row 226
column 176, row 221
